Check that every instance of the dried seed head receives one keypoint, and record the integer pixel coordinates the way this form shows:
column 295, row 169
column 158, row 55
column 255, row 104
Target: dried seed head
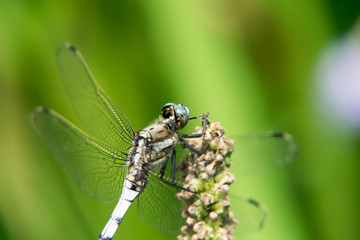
column 204, row 176
column 213, row 216
column 190, row 221
column 192, row 210
column 198, row 226
column 226, row 203
column 207, row 216
column 185, row 230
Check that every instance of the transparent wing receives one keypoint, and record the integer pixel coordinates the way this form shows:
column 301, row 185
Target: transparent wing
column 157, row 205
column 158, row 208
column 253, row 153
column 97, row 168
column 95, row 109
column 259, row 152
column 250, row 214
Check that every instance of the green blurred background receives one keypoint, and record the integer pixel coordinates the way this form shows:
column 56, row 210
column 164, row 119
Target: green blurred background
column 252, row 64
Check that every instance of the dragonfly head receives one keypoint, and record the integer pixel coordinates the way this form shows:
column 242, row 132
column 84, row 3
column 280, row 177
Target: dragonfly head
column 177, row 112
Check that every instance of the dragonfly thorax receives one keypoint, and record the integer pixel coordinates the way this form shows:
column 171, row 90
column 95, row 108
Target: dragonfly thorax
column 150, row 149
column 152, row 145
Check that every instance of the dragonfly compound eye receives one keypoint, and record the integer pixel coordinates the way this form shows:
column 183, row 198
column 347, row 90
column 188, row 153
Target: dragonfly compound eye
column 177, row 112
column 168, row 111
column 181, row 116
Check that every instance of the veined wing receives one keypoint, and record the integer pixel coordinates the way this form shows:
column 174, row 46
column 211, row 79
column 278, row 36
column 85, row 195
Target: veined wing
column 253, row 153
column 262, row 151
column 250, row 214
column 95, row 109
column 158, row 207
column 256, row 153
column 98, row 169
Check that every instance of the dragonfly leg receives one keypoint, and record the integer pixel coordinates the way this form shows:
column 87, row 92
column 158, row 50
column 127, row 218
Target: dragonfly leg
column 195, row 150
column 191, row 148
column 176, row 185
column 162, row 170
column 196, row 135
column 173, row 180
column 192, row 118
column 173, row 169
column 173, row 166
column 206, row 208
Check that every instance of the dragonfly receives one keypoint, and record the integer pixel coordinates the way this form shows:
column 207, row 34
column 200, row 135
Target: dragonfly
column 111, row 162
